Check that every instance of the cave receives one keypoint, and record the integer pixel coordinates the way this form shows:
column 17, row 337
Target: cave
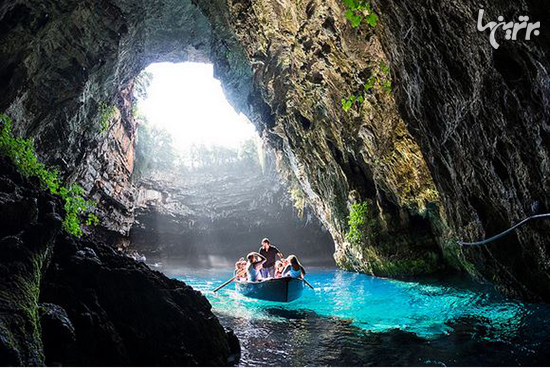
column 207, row 190
column 446, row 145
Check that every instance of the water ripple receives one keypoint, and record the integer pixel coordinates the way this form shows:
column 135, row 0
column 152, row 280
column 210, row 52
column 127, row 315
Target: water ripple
column 346, row 311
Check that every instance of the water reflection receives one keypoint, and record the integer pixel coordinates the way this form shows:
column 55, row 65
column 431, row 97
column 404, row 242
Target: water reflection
column 354, row 319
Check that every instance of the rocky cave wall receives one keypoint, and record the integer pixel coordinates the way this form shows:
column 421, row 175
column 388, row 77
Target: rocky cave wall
column 481, row 118
column 62, row 299
column 306, row 57
column 477, row 118
column 331, row 154
column 72, row 302
column 419, row 156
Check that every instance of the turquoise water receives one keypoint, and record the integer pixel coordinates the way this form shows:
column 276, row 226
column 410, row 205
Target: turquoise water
column 357, row 308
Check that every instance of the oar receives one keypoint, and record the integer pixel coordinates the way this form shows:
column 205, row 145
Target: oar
column 226, row 283
column 308, row 284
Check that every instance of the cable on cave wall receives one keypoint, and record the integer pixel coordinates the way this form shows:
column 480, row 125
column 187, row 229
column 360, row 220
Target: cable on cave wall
column 498, row 236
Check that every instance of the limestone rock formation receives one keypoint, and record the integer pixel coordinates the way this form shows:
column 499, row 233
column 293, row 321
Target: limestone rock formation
column 30, row 224
column 105, row 173
column 305, row 58
column 476, row 116
column 74, row 302
column 125, row 314
column 481, row 118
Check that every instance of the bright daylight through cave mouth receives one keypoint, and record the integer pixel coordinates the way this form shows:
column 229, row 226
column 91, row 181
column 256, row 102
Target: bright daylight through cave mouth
column 187, row 102
column 274, row 183
column 208, row 190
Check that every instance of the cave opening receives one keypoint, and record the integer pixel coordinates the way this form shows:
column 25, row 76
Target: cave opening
column 208, row 189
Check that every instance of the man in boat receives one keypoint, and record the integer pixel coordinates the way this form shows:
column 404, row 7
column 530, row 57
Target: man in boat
column 270, row 252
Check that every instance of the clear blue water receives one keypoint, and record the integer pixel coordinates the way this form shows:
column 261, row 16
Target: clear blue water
column 435, row 322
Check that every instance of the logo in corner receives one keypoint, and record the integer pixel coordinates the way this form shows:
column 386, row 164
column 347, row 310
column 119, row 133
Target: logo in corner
column 513, row 29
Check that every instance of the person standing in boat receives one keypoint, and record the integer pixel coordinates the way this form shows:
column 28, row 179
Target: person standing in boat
column 270, row 252
column 253, row 265
column 294, row 268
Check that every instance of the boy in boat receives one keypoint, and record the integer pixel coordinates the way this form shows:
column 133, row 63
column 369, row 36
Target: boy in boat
column 254, row 264
column 270, row 253
column 294, row 269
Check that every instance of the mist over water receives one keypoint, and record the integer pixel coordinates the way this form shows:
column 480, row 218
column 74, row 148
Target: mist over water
column 355, row 319
column 213, row 263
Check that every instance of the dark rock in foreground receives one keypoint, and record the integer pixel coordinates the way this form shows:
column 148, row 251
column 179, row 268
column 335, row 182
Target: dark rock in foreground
column 126, row 314
column 99, row 307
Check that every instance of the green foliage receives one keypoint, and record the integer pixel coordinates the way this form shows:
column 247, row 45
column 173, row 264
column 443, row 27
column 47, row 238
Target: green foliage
column 386, row 77
column 154, row 149
column 348, row 102
column 75, row 206
column 246, row 152
column 205, row 157
column 357, row 222
column 21, row 151
column 358, row 11
column 385, row 69
column 369, row 84
column 106, row 114
column 386, row 86
column 381, row 77
column 155, row 152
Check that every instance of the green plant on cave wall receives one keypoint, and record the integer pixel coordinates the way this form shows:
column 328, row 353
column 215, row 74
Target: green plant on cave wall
column 106, row 114
column 385, row 76
column 21, row 151
column 361, row 227
column 381, row 77
column 350, row 101
column 358, row 11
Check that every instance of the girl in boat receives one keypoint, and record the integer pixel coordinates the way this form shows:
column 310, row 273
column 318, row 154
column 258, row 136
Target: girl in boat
column 279, row 268
column 253, row 266
column 240, row 268
column 294, row 269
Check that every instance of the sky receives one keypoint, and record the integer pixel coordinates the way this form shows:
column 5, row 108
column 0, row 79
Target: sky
column 189, row 103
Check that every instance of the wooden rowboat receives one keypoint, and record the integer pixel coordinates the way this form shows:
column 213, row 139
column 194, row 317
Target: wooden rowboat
column 284, row 289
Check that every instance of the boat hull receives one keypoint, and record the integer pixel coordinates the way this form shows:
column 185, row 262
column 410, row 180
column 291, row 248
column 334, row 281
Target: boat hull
column 285, row 289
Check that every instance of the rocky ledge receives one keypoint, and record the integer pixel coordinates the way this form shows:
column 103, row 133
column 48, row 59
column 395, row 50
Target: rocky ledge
column 67, row 301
